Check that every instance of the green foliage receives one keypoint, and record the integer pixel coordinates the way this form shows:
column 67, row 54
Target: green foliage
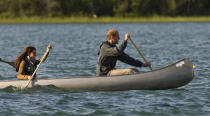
column 103, row 19
column 101, row 8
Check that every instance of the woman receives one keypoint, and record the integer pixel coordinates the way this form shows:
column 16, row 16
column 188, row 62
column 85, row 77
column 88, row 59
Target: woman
column 26, row 63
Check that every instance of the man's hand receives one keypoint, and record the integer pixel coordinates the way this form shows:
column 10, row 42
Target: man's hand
column 127, row 36
column 147, row 64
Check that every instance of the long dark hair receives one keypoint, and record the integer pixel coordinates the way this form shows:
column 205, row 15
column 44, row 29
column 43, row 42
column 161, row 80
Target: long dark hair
column 23, row 55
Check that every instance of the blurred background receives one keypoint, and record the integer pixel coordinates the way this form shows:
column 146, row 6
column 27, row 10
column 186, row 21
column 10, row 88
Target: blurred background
column 102, row 8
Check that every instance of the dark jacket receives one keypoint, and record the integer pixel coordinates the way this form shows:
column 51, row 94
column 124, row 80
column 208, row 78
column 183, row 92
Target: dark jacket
column 108, row 56
column 26, row 69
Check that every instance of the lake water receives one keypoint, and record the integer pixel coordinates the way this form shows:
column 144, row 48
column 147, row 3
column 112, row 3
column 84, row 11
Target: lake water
column 74, row 53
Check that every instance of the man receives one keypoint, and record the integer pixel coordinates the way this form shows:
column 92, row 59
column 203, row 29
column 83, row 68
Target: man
column 109, row 53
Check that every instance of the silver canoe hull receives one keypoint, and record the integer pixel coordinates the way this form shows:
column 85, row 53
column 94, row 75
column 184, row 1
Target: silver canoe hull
column 172, row 76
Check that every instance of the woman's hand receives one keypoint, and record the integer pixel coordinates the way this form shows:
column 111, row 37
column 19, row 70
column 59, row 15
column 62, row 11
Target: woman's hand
column 30, row 77
column 49, row 47
column 127, row 36
column 147, row 64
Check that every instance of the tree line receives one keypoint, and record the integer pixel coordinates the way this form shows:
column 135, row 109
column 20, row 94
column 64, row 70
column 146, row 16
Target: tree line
column 103, row 8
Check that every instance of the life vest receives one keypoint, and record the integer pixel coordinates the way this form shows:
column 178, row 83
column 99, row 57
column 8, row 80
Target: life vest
column 30, row 66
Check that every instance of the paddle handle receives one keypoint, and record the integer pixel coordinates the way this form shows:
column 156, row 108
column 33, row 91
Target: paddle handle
column 139, row 51
column 41, row 60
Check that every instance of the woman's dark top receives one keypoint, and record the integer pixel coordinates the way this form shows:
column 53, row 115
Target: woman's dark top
column 26, row 68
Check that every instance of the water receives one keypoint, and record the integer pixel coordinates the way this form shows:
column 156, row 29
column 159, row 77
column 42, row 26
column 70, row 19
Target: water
column 74, row 53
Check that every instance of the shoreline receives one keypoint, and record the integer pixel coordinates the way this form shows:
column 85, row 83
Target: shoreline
column 34, row 20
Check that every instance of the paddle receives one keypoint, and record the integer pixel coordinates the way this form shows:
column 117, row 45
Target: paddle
column 140, row 53
column 10, row 63
column 41, row 60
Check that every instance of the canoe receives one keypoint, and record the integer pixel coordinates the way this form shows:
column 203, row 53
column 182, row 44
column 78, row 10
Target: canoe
column 172, row 76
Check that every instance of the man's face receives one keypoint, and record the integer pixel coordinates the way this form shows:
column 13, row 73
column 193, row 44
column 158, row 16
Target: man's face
column 115, row 39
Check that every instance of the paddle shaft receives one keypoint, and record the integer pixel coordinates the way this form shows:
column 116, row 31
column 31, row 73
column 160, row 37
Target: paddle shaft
column 42, row 59
column 10, row 63
column 139, row 51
